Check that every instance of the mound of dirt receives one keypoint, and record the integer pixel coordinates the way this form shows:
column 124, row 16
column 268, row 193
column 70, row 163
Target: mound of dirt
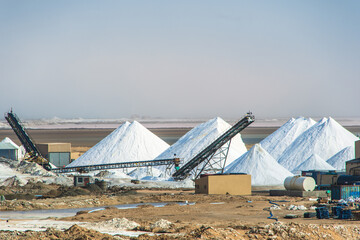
column 72, row 191
column 19, row 196
column 73, row 233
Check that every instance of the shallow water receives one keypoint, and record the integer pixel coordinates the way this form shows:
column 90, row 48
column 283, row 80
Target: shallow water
column 57, row 213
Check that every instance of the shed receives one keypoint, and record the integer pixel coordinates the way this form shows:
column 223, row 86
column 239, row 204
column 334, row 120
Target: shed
column 353, row 167
column 8, row 149
column 57, row 153
column 82, row 180
column 234, row 184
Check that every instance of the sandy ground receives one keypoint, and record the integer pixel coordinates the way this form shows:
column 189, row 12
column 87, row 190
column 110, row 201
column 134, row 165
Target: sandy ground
column 205, row 216
column 210, row 217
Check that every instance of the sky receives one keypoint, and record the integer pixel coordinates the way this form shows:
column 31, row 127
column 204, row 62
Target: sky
column 179, row 59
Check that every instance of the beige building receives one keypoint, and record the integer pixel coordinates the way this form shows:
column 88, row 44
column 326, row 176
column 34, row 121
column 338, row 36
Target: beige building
column 234, row 184
column 357, row 149
column 57, row 153
column 353, row 166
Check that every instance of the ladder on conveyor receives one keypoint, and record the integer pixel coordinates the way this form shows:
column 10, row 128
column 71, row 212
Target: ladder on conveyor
column 88, row 168
column 209, row 151
column 21, row 133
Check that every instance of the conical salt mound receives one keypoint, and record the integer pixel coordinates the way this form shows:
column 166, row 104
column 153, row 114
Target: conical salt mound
column 325, row 138
column 199, row 138
column 127, row 143
column 278, row 141
column 314, row 162
column 338, row 161
column 263, row 168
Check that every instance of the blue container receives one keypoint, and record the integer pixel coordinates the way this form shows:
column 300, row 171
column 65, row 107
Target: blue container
column 336, row 211
column 322, row 212
column 344, row 191
column 345, row 214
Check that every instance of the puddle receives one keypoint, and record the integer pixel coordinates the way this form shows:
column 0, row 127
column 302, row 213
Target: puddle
column 58, row 213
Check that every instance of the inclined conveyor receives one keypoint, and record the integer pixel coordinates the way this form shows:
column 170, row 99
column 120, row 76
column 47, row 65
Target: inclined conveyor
column 210, row 150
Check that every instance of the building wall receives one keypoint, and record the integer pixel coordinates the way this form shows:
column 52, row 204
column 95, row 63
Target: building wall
column 357, row 149
column 201, row 185
column 9, row 153
column 58, row 154
column 59, row 159
column 234, row 184
column 353, row 167
column 46, row 148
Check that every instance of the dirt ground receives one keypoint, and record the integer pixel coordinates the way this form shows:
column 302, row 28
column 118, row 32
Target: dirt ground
column 211, row 217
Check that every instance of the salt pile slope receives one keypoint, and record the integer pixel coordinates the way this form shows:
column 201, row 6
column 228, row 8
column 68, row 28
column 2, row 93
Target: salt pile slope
column 199, row 138
column 263, row 168
column 314, row 162
column 338, row 161
column 129, row 142
column 278, row 141
column 325, row 138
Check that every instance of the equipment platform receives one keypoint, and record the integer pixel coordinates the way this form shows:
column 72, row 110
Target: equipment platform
column 296, row 193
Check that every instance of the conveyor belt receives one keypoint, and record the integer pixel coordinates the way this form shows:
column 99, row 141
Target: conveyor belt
column 21, row 133
column 88, row 168
column 209, row 151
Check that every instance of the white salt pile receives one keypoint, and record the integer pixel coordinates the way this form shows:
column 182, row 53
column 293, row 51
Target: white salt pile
column 6, row 169
column 199, row 138
column 129, row 142
column 33, row 169
column 314, row 162
column 263, row 168
column 338, row 161
column 13, row 181
column 278, row 141
column 162, row 223
column 114, row 224
column 145, row 173
column 325, row 138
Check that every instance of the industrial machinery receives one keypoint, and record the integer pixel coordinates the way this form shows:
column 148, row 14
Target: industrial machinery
column 32, row 153
column 85, row 169
column 204, row 157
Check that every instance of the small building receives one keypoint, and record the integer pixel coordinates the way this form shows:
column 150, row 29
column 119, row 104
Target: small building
column 82, row 180
column 57, row 153
column 9, row 150
column 353, row 166
column 234, row 184
column 357, row 149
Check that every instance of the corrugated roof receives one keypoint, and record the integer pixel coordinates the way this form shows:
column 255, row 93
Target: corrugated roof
column 7, row 143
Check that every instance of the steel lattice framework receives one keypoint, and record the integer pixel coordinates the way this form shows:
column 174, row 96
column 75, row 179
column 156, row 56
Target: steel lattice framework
column 205, row 161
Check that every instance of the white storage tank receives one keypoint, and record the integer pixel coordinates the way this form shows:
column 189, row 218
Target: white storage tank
column 299, row 183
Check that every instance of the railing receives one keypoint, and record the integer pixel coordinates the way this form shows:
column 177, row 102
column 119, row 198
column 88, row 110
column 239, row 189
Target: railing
column 209, row 151
column 88, row 168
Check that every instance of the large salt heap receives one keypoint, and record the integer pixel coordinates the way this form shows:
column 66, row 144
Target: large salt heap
column 338, row 161
column 325, row 138
column 200, row 137
column 314, row 162
column 278, row 141
column 263, row 168
column 129, row 142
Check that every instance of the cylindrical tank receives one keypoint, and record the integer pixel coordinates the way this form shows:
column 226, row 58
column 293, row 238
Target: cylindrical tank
column 348, row 180
column 299, row 183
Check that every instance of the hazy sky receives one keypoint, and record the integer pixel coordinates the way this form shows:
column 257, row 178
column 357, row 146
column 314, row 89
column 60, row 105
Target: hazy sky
column 171, row 59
